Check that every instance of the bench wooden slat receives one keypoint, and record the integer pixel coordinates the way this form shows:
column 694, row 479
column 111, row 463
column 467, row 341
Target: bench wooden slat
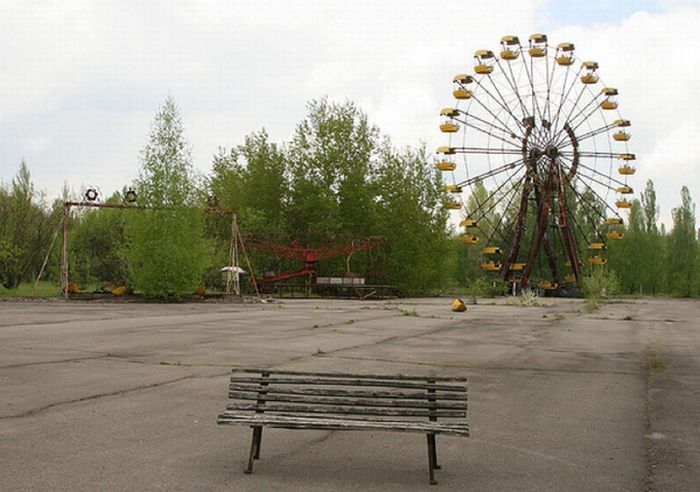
column 339, row 410
column 332, row 392
column 300, row 422
column 389, row 377
column 356, row 402
column 350, row 382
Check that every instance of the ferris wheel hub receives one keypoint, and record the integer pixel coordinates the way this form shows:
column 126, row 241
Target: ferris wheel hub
column 551, row 151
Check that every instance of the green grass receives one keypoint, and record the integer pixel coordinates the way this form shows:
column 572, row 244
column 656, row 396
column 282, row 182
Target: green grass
column 44, row 289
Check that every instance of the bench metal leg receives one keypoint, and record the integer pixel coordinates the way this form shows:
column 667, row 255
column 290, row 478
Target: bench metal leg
column 435, row 460
column 258, row 444
column 254, row 448
column 432, row 458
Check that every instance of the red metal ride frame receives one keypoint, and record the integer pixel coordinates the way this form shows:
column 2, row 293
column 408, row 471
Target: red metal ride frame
column 308, row 256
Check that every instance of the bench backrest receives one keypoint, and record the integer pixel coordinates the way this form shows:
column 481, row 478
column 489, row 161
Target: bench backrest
column 353, row 396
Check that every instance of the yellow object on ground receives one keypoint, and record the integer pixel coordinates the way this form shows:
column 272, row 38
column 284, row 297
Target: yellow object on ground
column 458, row 305
column 120, row 290
column 201, row 289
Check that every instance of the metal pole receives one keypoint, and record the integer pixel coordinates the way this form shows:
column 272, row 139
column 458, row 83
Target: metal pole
column 231, row 254
column 43, row 265
column 233, row 277
column 64, row 251
column 234, row 257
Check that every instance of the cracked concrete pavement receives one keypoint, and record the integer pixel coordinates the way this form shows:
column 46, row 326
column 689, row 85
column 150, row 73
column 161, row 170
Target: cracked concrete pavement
column 125, row 396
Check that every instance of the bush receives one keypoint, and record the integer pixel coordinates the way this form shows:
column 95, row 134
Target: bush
column 600, row 284
column 166, row 255
column 484, row 287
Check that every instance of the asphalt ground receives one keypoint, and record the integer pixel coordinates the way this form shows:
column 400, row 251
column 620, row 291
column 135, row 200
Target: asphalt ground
column 97, row 396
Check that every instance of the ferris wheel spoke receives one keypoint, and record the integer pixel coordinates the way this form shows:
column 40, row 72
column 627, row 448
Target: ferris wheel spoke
column 543, row 212
column 591, row 178
column 586, row 208
column 550, row 80
column 565, row 94
column 493, row 172
column 589, row 134
column 583, row 108
column 489, row 124
column 513, row 84
column 591, row 113
column 484, row 213
column 602, row 201
column 494, row 193
column 504, row 126
column 601, row 174
column 592, row 153
column 535, row 106
column 519, row 227
column 499, row 102
column 577, row 226
column 575, row 105
column 504, row 104
column 486, row 132
column 487, row 151
column 565, row 231
column 513, row 192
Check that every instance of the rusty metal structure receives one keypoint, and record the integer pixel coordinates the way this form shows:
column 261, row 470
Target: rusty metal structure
column 91, row 199
column 541, row 131
column 309, row 257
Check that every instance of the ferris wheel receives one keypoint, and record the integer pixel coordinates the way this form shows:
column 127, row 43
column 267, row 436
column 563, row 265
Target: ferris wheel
column 539, row 131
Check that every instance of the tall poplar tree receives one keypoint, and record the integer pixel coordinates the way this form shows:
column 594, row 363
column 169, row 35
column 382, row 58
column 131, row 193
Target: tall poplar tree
column 166, row 252
column 683, row 247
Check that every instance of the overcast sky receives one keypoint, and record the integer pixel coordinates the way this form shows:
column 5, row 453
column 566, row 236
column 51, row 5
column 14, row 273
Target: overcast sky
column 81, row 80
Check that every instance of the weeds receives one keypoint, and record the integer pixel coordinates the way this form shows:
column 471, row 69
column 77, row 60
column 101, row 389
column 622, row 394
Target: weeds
column 599, row 286
column 527, row 298
column 483, row 287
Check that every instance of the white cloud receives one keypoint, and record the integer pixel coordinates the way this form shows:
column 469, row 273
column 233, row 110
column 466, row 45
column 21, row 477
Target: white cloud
column 649, row 59
column 81, row 80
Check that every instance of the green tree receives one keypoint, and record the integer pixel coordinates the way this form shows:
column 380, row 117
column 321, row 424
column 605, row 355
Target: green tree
column 250, row 179
column 167, row 253
column 97, row 245
column 330, row 158
column 651, row 251
column 26, row 226
column 683, row 247
column 650, row 208
column 408, row 194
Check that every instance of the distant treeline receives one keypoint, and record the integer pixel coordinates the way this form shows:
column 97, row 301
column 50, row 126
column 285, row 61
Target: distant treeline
column 337, row 180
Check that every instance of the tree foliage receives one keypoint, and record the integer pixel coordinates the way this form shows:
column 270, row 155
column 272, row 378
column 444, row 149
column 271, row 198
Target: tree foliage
column 26, row 227
column 98, row 245
column 683, row 248
column 167, row 252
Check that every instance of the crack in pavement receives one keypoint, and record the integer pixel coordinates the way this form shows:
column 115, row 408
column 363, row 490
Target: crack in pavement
column 34, row 411
column 652, row 364
column 487, row 368
column 59, row 361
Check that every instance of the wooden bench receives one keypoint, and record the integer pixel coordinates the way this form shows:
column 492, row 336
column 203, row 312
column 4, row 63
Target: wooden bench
column 335, row 402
